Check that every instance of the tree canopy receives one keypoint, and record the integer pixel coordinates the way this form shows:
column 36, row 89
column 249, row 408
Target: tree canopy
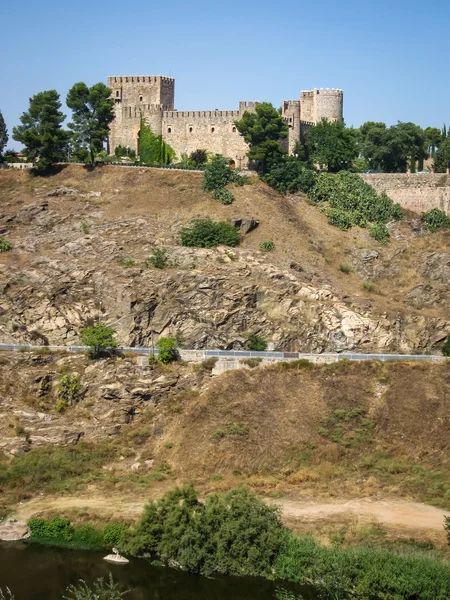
column 41, row 130
column 92, row 114
column 332, row 144
column 263, row 130
column 3, row 134
column 442, row 156
column 99, row 337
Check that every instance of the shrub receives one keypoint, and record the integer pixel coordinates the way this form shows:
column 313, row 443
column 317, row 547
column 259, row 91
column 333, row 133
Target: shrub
column 158, row 259
column 167, row 350
column 126, row 262
column 113, row 534
column 205, row 233
column 4, row 245
column 290, row 176
column 123, row 151
column 266, row 246
column 344, row 268
column 256, row 343
column 199, row 157
column 100, row 339
column 368, row 286
column 435, row 219
column 69, row 388
column 233, row 534
column 217, row 174
column 56, row 529
column 379, row 232
column 85, row 228
column 446, row 347
column 225, row 196
column 208, row 364
column 100, row 590
column 352, row 201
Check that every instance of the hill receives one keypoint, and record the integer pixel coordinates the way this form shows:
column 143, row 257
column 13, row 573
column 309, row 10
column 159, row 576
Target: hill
column 80, row 240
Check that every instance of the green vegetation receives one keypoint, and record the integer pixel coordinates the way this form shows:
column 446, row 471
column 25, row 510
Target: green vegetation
column 442, row 157
column 100, row 339
column 330, row 143
column 225, row 196
column 167, row 350
column 85, row 228
column 446, row 347
column 263, row 130
column 5, row 246
column 205, row 233
column 435, row 219
column 345, row 268
column 199, row 157
column 217, row 175
column 256, row 343
column 232, row 534
column 379, row 232
column 41, row 130
column 3, row 134
column 152, row 148
column 69, row 389
column 59, row 531
column 126, row 262
column 100, row 590
column 349, row 428
column 92, row 113
column 124, row 151
column 368, row 286
column 267, row 246
column 56, row 469
column 289, row 176
column 158, row 259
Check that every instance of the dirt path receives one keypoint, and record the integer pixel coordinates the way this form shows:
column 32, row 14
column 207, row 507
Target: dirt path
column 410, row 516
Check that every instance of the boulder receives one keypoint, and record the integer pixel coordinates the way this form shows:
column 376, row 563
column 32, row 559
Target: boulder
column 13, row 531
column 245, row 225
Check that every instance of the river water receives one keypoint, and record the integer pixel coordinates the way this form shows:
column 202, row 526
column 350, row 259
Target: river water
column 35, row 572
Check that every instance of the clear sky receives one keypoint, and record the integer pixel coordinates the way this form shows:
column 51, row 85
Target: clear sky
column 391, row 57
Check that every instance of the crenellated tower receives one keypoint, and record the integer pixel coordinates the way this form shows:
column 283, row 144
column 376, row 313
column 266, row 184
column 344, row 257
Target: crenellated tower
column 148, row 96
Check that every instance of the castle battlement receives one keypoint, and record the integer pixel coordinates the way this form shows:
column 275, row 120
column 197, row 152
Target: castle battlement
column 322, row 92
column 141, row 79
column 199, row 114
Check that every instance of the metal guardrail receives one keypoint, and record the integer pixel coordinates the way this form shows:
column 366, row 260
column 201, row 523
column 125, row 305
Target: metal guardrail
column 236, row 354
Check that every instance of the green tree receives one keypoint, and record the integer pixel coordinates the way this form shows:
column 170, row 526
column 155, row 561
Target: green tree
column 92, row 114
column 41, row 130
column 167, row 350
column 3, row 134
column 199, row 157
column 100, row 339
column 256, row 343
column 332, row 144
column 432, row 139
column 217, row 174
column 121, row 151
column 152, row 148
column 263, row 130
column 290, row 175
column 442, row 157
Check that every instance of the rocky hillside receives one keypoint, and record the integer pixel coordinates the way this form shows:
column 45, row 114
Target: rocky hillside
column 80, row 240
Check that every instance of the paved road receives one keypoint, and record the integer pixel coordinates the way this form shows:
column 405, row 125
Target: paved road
column 236, row 354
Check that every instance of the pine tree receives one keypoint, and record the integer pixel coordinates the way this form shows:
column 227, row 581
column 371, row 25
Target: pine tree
column 3, row 134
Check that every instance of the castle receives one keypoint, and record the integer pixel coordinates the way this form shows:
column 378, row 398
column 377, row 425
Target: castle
column 153, row 98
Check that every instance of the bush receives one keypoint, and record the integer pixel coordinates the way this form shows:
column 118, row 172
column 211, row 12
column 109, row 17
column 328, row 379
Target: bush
column 290, row 176
column 167, row 350
column 256, row 343
column 352, row 201
column 205, row 233
column 123, row 151
column 199, row 157
column 435, row 219
column 100, row 590
column 69, row 388
column 379, row 232
column 158, row 259
column 218, row 174
column 225, row 196
column 113, row 534
column 344, row 268
column 446, row 347
column 267, row 246
column 56, row 529
column 232, row 534
column 4, row 245
column 100, row 339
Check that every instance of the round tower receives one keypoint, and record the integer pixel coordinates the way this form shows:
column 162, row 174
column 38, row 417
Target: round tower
column 328, row 104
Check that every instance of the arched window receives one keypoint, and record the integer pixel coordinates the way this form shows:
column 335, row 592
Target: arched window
column 169, row 130
column 213, row 129
column 140, row 98
column 190, row 129
column 234, row 130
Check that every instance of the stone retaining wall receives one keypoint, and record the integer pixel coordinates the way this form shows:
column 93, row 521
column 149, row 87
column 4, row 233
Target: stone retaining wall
column 416, row 192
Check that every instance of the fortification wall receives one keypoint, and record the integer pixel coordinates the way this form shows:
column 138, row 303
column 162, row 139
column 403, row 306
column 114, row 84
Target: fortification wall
column 322, row 104
column 416, row 192
column 291, row 114
column 213, row 130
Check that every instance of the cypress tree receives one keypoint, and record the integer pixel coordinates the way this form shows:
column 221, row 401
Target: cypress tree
column 3, row 134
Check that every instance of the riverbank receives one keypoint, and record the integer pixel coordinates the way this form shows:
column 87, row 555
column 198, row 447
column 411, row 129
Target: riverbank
column 238, row 535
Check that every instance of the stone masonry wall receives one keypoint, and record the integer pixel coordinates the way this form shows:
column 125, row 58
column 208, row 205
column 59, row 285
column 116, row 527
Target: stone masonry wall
column 416, row 192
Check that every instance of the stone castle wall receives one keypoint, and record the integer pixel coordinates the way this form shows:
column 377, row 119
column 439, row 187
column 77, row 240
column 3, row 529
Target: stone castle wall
column 416, row 192
column 153, row 97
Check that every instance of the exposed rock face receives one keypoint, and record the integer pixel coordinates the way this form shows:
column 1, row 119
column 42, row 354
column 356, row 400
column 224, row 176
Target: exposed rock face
column 14, row 531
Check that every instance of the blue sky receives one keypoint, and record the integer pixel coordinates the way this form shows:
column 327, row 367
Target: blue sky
column 389, row 57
